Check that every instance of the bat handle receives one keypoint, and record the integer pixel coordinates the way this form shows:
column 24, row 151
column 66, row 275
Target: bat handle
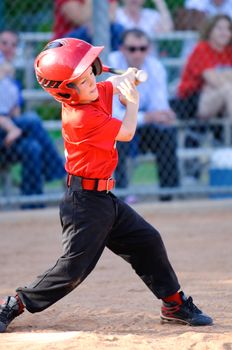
column 141, row 75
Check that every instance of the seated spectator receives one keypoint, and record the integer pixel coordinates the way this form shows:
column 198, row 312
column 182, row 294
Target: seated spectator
column 133, row 15
column 73, row 18
column 205, row 89
column 23, row 138
column 193, row 15
column 27, row 142
column 155, row 131
column 12, row 132
column 8, row 45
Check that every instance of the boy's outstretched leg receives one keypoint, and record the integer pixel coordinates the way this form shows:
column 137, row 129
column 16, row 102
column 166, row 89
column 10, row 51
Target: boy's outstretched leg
column 141, row 245
column 10, row 307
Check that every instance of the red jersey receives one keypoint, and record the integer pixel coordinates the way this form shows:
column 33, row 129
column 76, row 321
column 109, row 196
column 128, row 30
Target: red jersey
column 203, row 57
column 61, row 25
column 89, row 132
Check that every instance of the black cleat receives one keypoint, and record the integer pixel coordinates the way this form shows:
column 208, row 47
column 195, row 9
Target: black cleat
column 10, row 307
column 185, row 313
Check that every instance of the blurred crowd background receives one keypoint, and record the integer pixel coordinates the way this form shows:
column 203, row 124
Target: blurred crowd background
column 182, row 147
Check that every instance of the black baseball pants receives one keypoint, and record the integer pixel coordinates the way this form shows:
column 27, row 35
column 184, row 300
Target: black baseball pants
column 91, row 221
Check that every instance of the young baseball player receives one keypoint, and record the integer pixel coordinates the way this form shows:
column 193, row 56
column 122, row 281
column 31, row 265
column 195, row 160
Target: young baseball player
column 92, row 217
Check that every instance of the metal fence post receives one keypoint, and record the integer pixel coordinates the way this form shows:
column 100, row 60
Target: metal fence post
column 101, row 27
column 2, row 14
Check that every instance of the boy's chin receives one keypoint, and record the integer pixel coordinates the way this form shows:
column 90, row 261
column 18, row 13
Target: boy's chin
column 95, row 97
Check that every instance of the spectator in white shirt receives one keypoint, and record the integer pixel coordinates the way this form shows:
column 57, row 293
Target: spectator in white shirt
column 133, row 15
column 155, row 131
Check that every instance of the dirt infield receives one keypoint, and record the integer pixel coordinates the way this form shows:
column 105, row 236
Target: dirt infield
column 113, row 309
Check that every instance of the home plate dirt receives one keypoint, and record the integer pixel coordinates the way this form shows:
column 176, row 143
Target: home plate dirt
column 112, row 308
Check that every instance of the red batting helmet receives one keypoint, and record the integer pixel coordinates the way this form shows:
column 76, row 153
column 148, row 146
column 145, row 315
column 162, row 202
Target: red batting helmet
column 61, row 62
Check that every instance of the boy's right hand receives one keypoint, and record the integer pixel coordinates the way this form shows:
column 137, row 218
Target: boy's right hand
column 116, row 80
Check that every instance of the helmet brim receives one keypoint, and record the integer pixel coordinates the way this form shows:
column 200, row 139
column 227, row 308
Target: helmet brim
column 86, row 62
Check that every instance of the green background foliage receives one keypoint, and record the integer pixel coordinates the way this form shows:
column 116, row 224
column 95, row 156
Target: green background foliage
column 172, row 4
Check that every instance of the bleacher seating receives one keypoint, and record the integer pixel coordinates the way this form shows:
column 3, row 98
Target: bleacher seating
column 35, row 95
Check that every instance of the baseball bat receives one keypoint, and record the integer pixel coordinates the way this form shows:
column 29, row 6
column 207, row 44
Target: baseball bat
column 141, row 75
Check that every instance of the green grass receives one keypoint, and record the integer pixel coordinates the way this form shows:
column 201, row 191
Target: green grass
column 15, row 171
column 145, row 173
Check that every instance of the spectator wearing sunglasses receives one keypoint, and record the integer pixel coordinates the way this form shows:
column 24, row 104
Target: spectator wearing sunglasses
column 133, row 14
column 155, row 131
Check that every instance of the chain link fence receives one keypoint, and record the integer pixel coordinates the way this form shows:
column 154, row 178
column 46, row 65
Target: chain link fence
column 182, row 146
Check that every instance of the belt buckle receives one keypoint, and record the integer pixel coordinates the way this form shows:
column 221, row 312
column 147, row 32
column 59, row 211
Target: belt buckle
column 107, row 184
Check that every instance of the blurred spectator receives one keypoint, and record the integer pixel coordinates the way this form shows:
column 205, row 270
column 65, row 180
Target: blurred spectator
column 205, row 89
column 133, row 15
column 194, row 12
column 193, row 15
column 8, row 45
column 73, row 18
column 155, row 131
column 12, row 132
column 9, row 41
column 210, row 7
column 22, row 136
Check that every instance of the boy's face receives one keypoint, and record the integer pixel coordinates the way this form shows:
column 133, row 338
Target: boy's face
column 86, row 85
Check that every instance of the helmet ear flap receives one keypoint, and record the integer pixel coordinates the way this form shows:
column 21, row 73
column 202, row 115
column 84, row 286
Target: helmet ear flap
column 97, row 66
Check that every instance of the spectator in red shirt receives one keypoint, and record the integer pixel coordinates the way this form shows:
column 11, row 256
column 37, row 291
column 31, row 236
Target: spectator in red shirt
column 92, row 217
column 205, row 88
column 73, row 18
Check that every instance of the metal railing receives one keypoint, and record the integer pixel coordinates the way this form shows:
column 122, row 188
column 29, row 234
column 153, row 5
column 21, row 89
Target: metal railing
column 203, row 153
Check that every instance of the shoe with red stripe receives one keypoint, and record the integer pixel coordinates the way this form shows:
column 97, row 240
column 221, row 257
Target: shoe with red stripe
column 10, row 307
column 185, row 313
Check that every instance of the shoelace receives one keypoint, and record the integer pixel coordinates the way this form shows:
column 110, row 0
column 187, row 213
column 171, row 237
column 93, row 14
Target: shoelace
column 189, row 303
